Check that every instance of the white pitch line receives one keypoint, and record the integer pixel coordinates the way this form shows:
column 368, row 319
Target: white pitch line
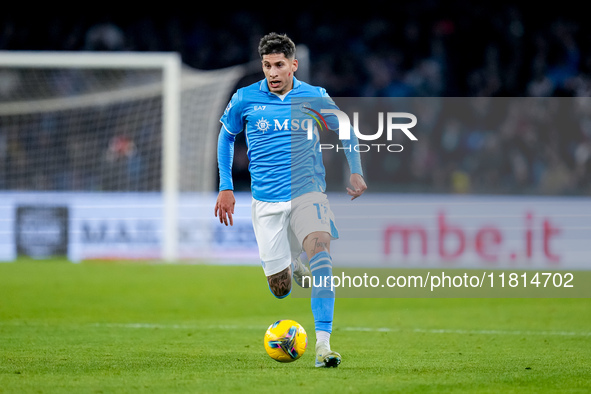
column 352, row 329
column 177, row 326
column 359, row 329
column 464, row 332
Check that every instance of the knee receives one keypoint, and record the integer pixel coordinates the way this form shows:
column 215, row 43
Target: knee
column 280, row 283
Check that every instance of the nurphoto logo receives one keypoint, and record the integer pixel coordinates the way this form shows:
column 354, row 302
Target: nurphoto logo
column 345, row 126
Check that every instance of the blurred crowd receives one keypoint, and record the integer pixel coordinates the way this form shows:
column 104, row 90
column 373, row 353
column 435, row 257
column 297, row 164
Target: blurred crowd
column 423, row 48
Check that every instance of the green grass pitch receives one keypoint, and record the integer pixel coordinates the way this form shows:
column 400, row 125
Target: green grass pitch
column 157, row 328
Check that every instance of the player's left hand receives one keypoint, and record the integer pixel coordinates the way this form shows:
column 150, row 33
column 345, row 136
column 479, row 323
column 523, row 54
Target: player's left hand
column 358, row 186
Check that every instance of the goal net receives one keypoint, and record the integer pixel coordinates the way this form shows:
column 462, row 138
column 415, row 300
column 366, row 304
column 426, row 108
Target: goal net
column 102, row 122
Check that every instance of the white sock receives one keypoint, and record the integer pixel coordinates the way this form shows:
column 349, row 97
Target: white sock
column 323, row 337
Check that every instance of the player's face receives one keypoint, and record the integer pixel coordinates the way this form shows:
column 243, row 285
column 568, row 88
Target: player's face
column 279, row 71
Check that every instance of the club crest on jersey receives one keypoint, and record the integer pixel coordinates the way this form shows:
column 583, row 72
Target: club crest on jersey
column 262, row 125
column 305, row 107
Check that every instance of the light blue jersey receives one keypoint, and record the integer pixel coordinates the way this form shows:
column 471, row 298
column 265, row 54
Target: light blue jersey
column 283, row 162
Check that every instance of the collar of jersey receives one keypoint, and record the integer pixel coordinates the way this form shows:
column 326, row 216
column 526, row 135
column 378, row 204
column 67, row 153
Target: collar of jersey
column 265, row 87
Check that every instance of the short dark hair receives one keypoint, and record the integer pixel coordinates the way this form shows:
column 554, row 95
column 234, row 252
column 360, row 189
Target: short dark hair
column 277, row 43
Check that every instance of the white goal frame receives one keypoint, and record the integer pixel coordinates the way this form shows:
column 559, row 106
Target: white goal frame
column 170, row 64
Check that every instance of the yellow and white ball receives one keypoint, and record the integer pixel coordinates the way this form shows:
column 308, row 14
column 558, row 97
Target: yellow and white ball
column 285, row 341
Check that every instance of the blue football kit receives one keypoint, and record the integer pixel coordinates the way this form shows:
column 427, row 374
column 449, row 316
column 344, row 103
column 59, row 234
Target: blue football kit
column 284, row 162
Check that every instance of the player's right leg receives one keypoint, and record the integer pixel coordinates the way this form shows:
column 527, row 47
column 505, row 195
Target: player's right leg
column 271, row 223
column 301, row 274
column 280, row 283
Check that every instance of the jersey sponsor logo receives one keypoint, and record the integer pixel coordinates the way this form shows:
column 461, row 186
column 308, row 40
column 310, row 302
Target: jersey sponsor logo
column 280, row 126
column 262, row 124
column 288, row 124
column 260, row 107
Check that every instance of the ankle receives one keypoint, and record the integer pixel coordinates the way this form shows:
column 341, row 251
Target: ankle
column 323, row 338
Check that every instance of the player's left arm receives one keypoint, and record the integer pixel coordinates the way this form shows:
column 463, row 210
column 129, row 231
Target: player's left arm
column 357, row 183
column 358, row 186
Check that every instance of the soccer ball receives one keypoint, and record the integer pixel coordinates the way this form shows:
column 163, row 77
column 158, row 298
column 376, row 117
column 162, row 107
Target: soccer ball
column 285, row 341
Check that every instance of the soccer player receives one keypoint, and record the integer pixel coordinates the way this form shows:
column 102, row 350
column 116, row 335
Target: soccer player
column 290, row 212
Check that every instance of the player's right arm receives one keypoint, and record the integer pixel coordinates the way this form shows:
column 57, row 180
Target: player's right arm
column 224, row 205
column 232, row 124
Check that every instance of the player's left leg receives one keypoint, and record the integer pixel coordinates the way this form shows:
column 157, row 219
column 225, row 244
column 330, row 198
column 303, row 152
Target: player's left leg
column 313, row 224
column 317, row 247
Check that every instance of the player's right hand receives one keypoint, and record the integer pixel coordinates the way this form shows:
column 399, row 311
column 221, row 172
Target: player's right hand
column 224, row 207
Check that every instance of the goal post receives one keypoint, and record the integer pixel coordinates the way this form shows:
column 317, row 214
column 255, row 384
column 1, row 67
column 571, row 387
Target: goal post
column 170, row 156
column 140, row 91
